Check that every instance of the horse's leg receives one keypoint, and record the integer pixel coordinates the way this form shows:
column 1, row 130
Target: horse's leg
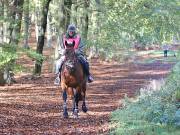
column 75, row 103
column 65, row 113
column 73, row 100
column 84, row 108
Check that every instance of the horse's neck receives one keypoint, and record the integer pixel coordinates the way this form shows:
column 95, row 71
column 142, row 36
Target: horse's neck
column 78, row 75
column 76, row 63
column 70, row 56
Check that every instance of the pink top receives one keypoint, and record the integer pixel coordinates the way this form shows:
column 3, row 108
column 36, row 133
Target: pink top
column 75, row 39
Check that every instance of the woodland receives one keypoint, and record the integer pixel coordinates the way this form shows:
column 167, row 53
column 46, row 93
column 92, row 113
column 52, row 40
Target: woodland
column 136, row 90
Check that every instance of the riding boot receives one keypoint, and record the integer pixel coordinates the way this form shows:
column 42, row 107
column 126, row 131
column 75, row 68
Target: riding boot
column 85, row 65
column 57, row 81
column 90, row 78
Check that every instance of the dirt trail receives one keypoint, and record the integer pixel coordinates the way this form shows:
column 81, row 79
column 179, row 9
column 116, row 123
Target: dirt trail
column 34, row 107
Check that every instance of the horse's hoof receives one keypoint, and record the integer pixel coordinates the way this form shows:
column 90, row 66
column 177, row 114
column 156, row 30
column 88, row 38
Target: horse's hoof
column 84, row 109
column 73, row 110
column 75, row 113
column 65, row 115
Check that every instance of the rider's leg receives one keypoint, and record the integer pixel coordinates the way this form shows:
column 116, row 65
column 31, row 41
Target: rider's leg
column 86, row 68
column 58, row 70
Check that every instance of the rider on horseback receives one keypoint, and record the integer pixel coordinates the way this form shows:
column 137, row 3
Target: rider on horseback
column 72, row 36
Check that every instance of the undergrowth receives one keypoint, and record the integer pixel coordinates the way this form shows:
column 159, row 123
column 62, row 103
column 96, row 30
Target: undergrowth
column 155, row 111
column 10, row 53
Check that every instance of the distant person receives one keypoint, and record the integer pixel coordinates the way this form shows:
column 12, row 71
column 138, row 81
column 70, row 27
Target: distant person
column 165, row 49
column 72, row 36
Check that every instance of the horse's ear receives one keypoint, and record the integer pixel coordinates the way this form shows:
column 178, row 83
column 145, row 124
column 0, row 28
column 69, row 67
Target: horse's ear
column 65, row 43
column 73, row 43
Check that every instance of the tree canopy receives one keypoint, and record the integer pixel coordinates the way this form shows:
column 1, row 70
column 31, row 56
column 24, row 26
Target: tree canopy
column 145, row 21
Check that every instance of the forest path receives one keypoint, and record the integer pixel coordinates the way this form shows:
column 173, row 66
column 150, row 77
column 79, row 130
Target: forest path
column 34, row 107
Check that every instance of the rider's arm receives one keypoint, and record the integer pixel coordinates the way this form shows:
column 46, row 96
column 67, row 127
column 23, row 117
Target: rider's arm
column 80, row 49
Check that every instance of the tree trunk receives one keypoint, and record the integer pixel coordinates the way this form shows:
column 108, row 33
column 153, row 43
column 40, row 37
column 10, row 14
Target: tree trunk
column 41, row 36
column 1, row 22
column 86, row 20
column 12, row 16
column 74, row 12
column 2, row 80
column 7, row 20
column 49, row 30
column 26, row 23
column 93, row 52
column 61, row 28
column 37, row 18
column 17, row 17
column 67, row 4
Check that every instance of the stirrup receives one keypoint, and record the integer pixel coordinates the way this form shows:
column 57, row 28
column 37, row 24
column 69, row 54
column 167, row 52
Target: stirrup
column 57, row 81
column 90, row 79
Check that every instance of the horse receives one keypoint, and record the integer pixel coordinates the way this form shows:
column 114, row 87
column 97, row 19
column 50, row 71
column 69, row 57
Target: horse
column 73, row 81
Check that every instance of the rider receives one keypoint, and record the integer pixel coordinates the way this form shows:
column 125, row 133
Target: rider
column 71, row 35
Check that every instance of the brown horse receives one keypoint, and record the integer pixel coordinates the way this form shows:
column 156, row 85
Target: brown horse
column 73, row 82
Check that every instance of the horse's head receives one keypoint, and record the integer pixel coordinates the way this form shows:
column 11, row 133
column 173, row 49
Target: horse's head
column 70, row 57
